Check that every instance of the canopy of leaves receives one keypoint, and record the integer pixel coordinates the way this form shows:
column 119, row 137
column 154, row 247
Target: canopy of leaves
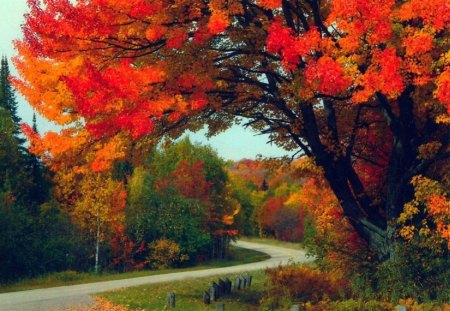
column 359, row 86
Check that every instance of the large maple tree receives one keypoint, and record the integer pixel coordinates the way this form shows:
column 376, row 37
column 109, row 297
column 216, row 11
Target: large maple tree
column 362, row 86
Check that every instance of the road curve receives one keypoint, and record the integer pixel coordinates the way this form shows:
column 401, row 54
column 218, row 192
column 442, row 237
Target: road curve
column 62, row 297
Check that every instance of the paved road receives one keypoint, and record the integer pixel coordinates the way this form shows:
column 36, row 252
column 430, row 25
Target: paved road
column 59, row 298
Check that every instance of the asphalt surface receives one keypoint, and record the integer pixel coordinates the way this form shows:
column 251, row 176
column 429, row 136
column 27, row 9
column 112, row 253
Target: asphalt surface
column 62, row 297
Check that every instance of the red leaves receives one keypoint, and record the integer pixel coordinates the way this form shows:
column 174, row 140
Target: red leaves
column 155, row 33
column 29, row 132
column 327, row 76
column 384, row 75
column 362, row 18
column 198, row 101
column 137, row 122
column 443, row 89
column 176, row 38
column 418, row 44
column 433, row 13
column 190, row 180
column 125, row 250
column 202, row 36
column 143, row 8
column 106, row 93
column 218, row 22
column 270, row 4
column 278, row 37
column 391, row 81
column 284, row 222
column 282, row 40
column 308, row 43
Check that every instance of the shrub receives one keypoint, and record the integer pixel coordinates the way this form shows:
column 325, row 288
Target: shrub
column 165, row 253
column 413, row 305
column 415, row 272
column 67, row 276
column 371, row 305
column 306, row 284
column 348, row 305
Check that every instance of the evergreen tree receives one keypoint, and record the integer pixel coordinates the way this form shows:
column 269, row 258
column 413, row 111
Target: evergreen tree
column 264, row 186
column 34, row 123
column 8, row 98
column 22, row 170
column 7, row 95
column 37, row 237
column 9, row 152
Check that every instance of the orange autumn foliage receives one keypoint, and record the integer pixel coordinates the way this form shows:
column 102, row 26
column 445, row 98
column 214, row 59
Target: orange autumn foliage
column 318, row 77
column 335, row 239
column 439, row 208
column 443, row 89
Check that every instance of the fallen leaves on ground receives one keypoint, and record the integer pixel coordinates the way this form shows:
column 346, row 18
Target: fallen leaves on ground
column 102, row 304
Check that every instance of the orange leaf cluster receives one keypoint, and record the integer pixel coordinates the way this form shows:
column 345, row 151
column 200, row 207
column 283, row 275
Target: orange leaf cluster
column 418, row 43
column 327, row 76
column 443, row 89
column 270, row 4
column 337, row 237
column 218, row 22
column 292, row 48
column 439, row 208
column 434, row 13
column 384, row 75
column 362, row 18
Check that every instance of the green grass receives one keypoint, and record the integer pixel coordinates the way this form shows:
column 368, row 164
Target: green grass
column 237, row 256
column 273, row 242
column 189, row 295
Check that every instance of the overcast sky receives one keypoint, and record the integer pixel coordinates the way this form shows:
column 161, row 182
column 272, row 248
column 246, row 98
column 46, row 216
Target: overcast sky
column 234, row 144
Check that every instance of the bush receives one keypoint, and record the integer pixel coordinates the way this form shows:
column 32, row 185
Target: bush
column 38, row 243
column 415, row 306
column 371, row 305
column 301, row 283
column 415, row 272
column 165, row 253
column 68, row 276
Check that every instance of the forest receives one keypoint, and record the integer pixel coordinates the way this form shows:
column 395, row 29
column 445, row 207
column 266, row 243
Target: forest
column 356, row 92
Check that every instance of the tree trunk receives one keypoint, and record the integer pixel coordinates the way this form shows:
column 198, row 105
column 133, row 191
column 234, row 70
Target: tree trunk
column 97, row 246
column 375, row 227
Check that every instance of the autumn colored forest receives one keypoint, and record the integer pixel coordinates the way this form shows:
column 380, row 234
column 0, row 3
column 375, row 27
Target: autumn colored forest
column 356, row 91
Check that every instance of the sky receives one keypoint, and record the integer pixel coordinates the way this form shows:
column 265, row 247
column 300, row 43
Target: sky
column 234, row 144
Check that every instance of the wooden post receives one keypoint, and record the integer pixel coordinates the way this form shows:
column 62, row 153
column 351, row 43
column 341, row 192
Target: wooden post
column 171, row 300
column 228, row 285
column 213, row 293
column 247, row 280
column 206, row 298
column 220, row 306
column 217, row 287
column 237, row 283
column 222, row 288
column 243, row 282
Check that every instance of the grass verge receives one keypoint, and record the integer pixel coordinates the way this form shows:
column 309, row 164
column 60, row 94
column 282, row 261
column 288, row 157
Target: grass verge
column 270, row 241
column 189, row 295
column 236, row 256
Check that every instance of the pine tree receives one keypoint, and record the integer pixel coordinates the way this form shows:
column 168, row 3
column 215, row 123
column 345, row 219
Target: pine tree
column 8, row 98
column 26, row 173
column 264, row 186
column 35, row 129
